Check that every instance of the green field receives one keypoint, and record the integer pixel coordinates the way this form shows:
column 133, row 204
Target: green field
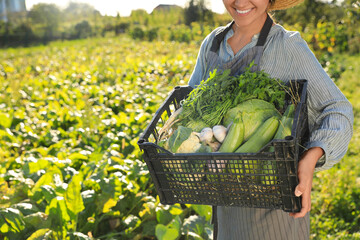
column 70, row 168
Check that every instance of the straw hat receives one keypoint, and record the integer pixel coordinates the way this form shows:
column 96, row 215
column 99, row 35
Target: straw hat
column 283, row 4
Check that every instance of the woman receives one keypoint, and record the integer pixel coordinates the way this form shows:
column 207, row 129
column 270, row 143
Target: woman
column 252, row 36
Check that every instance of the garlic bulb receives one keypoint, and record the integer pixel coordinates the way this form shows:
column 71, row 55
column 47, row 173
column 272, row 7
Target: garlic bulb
column 219, row 132
column 206, row 135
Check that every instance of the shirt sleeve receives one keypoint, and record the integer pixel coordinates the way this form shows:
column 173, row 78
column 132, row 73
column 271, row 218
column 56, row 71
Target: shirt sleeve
column 330, row 114
column 200, row 65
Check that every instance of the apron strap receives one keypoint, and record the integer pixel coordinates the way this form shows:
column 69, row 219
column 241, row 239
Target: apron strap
column 219, row 37
column 265, row 31
column 214, row 222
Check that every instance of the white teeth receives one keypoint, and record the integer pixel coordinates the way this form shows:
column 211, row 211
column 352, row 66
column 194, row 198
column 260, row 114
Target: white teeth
column 243, row 12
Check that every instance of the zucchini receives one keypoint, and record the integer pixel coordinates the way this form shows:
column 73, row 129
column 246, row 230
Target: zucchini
column 285, row 127
column 269, row 167
column 286, row 123
column 235, row 136
column 263, row 135
column 232, row 141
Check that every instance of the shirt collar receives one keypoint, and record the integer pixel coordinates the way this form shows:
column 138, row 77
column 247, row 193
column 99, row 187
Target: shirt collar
column 275, row 28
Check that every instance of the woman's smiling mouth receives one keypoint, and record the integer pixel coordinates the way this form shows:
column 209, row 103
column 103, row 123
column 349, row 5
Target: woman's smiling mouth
column 244, row 11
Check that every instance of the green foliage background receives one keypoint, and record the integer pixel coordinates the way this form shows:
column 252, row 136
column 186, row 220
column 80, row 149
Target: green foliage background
column 328, row 25
column 70, row 117
column 71, row 113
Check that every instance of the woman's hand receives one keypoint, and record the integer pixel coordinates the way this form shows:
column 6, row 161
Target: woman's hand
column 306, row 169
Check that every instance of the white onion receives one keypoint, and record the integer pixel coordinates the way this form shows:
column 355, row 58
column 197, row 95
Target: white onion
column 219, row 132
column 206, row 135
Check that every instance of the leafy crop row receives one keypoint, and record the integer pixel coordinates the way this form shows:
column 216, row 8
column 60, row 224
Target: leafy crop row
column 336, row 192
column 70, row 116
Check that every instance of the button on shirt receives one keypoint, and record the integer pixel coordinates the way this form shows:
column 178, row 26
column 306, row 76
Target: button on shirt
column 287, row 57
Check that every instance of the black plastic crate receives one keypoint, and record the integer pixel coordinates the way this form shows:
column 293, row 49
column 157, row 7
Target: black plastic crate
column 266, row 179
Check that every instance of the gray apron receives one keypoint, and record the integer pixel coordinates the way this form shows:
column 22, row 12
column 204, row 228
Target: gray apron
column 237, row 223
column 240, row 62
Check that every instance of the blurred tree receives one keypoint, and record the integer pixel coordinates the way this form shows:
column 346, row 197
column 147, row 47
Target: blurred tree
column 165, row 15
column 138, row 33
column 310, row 13
column 24, row 34
column 191, row 13
column 6, row 31
column 140, row 16
column 152, row 34
column 352, row 21
column 79, row 11
column 121, row 28
column 352, row 10
column 197, row 11
column 46, row 15
column 83, row 30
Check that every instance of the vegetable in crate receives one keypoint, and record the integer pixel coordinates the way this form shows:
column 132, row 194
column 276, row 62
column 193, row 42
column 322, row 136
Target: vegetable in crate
column 207, row 137
column 196, row 126
column 246, row 118
column 262, row 136
column 232, row 141
column 184, row 140
column 165, row 131
column 219, row 132
column 211, row 100
column 254, row 113
column 235, row 136
column 219, row 99
column 286, row 123
column 284, row 129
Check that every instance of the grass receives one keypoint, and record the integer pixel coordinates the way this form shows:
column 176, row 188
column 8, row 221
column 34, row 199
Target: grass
column 336, row 192
column 140, row 69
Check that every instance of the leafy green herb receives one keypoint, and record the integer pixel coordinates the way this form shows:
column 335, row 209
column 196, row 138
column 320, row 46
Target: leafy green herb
column 215, row 96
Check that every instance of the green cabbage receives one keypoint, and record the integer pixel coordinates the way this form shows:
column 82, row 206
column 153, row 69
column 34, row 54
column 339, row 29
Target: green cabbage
column 178, row 137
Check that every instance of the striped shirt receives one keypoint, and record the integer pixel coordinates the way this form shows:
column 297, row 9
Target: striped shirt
column 287, row 57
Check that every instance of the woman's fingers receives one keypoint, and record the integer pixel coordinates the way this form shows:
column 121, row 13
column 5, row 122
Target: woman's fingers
column 305, row 201
column 300, row 189
column 305, row 175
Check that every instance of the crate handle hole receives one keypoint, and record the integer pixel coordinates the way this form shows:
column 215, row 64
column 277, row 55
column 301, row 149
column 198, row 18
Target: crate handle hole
column 289, row 138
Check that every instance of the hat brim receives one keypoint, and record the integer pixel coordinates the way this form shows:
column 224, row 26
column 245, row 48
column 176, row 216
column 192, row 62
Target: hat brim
column 284, row 4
